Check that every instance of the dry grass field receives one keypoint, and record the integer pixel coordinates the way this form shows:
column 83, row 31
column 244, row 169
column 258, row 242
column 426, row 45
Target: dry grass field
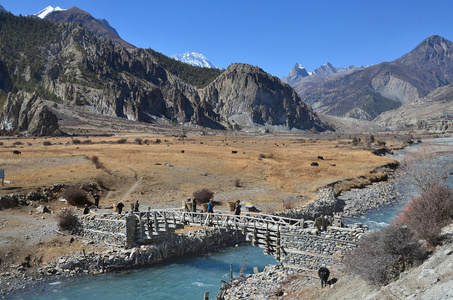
column 262, row 169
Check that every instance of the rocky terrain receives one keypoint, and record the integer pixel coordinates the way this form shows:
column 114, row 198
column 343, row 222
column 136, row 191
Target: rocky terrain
column 83, row 69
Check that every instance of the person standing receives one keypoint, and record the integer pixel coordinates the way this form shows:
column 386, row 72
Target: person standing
column 194, row 204
column 96, row 200
column 119, row 207
column 237, row 208
column 210, row 206
column 136, row 206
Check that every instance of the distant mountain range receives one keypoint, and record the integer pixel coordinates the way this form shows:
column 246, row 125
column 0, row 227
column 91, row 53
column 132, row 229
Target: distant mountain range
column 365, row 93
column 194, row 59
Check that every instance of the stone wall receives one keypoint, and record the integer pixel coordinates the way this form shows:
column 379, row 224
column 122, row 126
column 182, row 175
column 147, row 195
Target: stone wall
column 109, row 229
column 310, row 248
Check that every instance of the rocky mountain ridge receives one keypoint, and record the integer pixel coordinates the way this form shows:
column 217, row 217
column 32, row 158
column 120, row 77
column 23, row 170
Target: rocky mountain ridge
column 82, row 69
column 367, row 93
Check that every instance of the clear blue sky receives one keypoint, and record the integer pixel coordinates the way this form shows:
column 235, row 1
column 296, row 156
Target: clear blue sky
column 273, row 35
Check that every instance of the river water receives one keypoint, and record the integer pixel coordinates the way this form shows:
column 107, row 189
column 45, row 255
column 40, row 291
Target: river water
column 190, row 278
column 186, row 278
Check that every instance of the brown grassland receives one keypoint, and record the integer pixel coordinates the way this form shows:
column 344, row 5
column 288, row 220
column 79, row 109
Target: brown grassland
column 268, row 168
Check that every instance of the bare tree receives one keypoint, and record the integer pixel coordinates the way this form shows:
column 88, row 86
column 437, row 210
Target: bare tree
column 428, row 166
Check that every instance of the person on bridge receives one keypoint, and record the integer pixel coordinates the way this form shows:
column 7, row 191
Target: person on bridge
column 237, row 208
column 136, row 206
column 210, row 206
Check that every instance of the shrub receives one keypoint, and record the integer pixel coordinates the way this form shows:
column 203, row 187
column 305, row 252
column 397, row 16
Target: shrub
column 121, row 141
column 75, row 196
column 428, row 213
column 158, row 141
column 382, row 256
column 17, row 143
column 47, row 143
column 138, row 141
column 203, row 195
column 237, row 183
column 76, row 141
column 86, row 141
column 67, row 220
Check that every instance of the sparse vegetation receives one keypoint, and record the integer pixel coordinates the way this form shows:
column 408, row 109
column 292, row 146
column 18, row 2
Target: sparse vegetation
column 428, row 213
column 47, row 143
column 203, row 195
column 67, row 220
column 76, row 141
column 75, row 196
column 237, row 183
column 121, row 141
column 381, row 256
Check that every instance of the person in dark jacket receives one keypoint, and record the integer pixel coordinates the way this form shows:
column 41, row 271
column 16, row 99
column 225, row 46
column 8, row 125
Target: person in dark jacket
column 119, row 207
column 237, row 208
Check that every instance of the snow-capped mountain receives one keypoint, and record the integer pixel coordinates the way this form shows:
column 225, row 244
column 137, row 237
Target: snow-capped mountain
column 49, row 9
column 194, row 59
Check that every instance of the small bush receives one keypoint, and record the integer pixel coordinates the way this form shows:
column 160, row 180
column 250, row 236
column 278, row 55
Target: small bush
column 75, row 196
column 76, row 141
column 138, row 141
column 428, row 213
column 67, row 220
column 237, row 183
column 382, row 256
column 121, row 141
column 47, row 143
column 17, row 143
column 86, row 141
column 203, row 195
column 158, row 141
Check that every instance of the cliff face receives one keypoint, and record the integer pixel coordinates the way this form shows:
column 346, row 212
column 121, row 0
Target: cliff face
column 247, row 95
column 25, row 111
column 82, row 69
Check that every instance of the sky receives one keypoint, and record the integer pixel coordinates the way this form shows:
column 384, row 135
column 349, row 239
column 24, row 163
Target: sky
column 273, row 35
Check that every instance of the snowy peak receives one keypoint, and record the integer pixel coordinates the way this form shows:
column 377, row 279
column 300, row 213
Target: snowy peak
column 46, row 11
column 194, row 59
column 296, row 74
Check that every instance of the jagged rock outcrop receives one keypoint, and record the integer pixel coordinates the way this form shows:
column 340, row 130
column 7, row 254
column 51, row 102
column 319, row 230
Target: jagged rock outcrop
column 247, row 95
column 27, row 112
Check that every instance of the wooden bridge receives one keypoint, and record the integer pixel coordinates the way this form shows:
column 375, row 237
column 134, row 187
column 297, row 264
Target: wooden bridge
column 261, row 230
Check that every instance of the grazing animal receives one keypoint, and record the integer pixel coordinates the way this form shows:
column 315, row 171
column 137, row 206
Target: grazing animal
column 332, row 165
column 320, row 158
column 17, row 152
column 182, row 151
column 323, row 274
column 314, row 164
column 234, row 152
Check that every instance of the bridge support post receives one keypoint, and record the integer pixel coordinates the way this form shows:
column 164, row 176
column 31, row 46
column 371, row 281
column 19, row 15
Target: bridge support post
column 278, row 243
column 255, row 235
column 156, row 222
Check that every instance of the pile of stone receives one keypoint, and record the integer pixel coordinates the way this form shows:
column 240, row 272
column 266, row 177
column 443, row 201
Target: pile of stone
column 358, row 201
column 324, row 204
column 255, row 286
